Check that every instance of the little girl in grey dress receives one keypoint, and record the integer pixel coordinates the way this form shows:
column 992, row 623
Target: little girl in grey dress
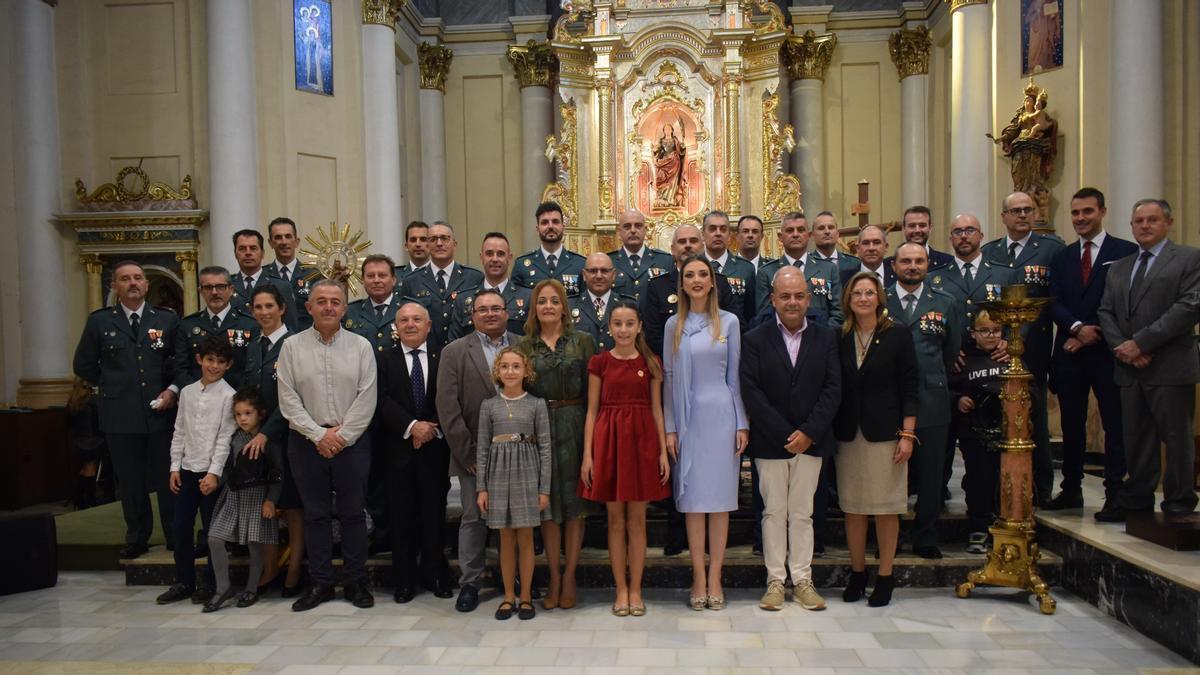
column 513, row 473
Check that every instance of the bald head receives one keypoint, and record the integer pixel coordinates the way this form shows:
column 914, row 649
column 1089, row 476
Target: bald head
column 872, row 246
column 966, row 234
column 598, row 273
column 631, row 228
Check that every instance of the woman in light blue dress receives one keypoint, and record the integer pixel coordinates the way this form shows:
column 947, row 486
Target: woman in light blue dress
column 705, row 422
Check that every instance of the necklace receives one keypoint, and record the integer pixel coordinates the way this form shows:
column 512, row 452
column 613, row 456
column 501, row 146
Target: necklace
column 507, row 405
column 863, row 345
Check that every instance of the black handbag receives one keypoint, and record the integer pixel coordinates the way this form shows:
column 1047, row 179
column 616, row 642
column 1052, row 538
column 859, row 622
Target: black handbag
column 248, row 472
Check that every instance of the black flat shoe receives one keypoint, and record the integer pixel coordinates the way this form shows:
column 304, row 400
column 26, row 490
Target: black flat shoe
column 271, row 585
column 175, row 593
column 218, row 601
column 358, row 595
column 468, row 598
column 315, row 595
column 441, row 588
column 855, row 587
column 525, row 611
column 505, row 611
column 882, row 593
column 203, row 594
column 247, row 598
column 1064, row 501
column 404, row 594
column 130, row 551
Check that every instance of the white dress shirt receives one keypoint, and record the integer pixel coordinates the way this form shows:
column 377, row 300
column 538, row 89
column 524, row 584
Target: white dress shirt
column 277, row 334
column 327, row 384
column 878, row 272
column 408, row 363
column 203, row 427
column 974, row 265
column 220, row 315
column 1021, row 244
column 140, row 311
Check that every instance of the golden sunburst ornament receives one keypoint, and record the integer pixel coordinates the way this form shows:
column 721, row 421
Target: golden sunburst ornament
column 338, row 255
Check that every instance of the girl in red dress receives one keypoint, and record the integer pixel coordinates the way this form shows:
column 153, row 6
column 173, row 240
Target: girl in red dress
column 624, row 448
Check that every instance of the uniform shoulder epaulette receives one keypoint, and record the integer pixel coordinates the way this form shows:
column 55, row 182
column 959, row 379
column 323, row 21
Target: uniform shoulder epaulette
column 163, row 308
column 200, row 313
column 111, row 308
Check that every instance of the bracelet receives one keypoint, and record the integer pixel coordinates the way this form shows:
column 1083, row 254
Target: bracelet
column 912, row 436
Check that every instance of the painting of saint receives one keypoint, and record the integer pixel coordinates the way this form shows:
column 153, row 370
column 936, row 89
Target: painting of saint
column 1041, row 35
column 668, row 152
column 313, row 36
column 670, row 161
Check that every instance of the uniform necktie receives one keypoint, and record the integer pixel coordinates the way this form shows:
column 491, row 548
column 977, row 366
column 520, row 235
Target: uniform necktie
column 967, row 274
column 910, row 305
column 216, row 322
column 441, row 281
column 635, row 261
column 1012, row 252
column 799, row 264
column 418, row 382
column 283, row 272
column 600, row 307
column 380, row 310
column 1085, row 264
column 716, row 265
column 134, row 323
column 264, row 347
column 552, row 263
column 248, row 284
column 1139, row 275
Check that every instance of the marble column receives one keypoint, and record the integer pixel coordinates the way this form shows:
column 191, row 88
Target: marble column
column 535, row 65
column 971, row 112
column 232, row 125
column 45, row 372
column 910, row 52
column 381, row 124
column 434, row 61
column 1136, row 141
column 808, row 57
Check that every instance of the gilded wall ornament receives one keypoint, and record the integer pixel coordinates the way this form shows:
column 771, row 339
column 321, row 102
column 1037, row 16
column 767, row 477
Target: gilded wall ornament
column 382, row 12
column 338, row 256
column 781, row 191
column 435, row 65
column 808, row 56
column 534, row 62
column 561, row 151
column 910, row 51
column 132, row 184
column 959, row 4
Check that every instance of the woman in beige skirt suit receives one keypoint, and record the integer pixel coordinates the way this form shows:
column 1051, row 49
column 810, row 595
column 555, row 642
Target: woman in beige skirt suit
column 874, row 428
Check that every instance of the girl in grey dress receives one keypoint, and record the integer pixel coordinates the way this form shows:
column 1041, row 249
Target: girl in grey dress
column 513, row 473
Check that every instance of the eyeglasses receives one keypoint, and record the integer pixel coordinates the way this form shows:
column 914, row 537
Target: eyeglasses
column 964, row 231
column 440, row 238
column 988, row 332
column 869, row 293
column 490, row 310
column 214, row 288
column 1021, row 210
column 598, row 270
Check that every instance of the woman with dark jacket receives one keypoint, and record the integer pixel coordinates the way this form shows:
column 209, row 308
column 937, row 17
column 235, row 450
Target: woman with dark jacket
column 874, row 428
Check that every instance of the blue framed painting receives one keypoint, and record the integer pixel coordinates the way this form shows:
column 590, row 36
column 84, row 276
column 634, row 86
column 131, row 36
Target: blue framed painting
column 312, row 27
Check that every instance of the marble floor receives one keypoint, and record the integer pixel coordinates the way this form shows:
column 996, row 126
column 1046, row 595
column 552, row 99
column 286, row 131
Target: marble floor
column 93, row 623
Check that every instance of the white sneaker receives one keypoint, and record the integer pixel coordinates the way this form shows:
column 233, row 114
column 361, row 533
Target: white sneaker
column 773, row 599
column 807, row 596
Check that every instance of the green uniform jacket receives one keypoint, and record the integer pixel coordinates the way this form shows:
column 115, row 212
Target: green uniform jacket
column 238, row 328
column 242, row 297
column 531, row 268
column 741, row 277
column 305, row 276
column 632, row 282
column 361, row 318
column 823, row 285
column 583, row 313
column 421, row 286
column 130, row 370
column 1032, row 268
column 986, row 281
column 260, row 371
column 937, row 336
column 516, row 299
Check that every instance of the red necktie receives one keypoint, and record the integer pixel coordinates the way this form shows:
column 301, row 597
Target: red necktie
column 1085, row 265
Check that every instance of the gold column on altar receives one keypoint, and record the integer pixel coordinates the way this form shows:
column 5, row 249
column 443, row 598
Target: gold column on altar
column 731, row 41
column 602, row 47
column 95, row 284
column 187, row 269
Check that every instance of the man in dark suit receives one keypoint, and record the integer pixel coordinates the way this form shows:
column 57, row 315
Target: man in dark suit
column 823, row 284
column 128, row 351
column 636, row 263
column 916, row 228
column 248, row 248
column 872, row 249
column 591, row 309
column 1082, row 362
column 284, row 239
column 552, row 260
column 791, row 381
column 659, row 301
column 932, row 318
column 738, row 272
column 825, row 241
column 1029, row 254
column 464, row 380
column 495, row 257
column 372, row 316
column 416, row 243
column 1147, row 315
column 417, row 456
column 437, row 286
column 220, row 318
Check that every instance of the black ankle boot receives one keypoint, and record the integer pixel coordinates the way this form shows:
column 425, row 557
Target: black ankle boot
column 882, row 593
column 855, row 586
column 85, row 492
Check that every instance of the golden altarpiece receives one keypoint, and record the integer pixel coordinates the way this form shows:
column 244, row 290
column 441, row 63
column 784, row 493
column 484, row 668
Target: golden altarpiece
column 670, row 107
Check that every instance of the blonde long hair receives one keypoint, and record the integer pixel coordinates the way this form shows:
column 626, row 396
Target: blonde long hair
column 883, row 321
column 712, row 304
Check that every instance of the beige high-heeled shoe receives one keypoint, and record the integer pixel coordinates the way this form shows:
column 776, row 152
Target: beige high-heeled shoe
column 714, row 603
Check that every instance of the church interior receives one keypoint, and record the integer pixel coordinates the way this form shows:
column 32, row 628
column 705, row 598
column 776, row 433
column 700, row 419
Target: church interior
column 153, row 130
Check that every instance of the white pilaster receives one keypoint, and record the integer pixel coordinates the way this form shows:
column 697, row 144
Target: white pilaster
column 808, row 159
column 381, row 121
column 232, row 126
column 537, row 122
column 914, row 143
column 1136, row 141
column 971, row 112
column 431, row 103
column 36, row 181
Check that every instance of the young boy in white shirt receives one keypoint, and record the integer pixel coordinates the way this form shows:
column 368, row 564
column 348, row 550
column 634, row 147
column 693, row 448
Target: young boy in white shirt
column 199, row 448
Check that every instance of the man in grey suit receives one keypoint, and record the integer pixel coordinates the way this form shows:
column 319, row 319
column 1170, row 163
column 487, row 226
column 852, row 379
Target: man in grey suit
column 1147, row 314
column 464, row 380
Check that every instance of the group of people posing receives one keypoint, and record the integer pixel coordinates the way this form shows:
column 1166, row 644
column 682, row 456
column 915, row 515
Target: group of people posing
column 558, row 385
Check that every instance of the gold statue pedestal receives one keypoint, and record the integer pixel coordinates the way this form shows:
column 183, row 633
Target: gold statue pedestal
column 1012, row 560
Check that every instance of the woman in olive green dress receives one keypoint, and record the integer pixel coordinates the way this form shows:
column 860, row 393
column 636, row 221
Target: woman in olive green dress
column 560, row 356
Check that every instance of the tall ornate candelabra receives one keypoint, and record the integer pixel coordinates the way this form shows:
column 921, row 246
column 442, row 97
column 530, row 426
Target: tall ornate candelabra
column 1012, row 560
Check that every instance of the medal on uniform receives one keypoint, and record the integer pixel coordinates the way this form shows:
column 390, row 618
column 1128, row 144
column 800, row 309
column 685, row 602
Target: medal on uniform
column 520, row 303
column 527, row 262
column 350, row 324
column 195, row 330
column 395, row 333
column 155, row 335
column 672, row 298
column 275, row 371
column 302, row 287
column 575, row 314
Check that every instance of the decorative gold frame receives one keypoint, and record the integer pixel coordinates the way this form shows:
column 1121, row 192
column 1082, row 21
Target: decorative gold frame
column 562, row 152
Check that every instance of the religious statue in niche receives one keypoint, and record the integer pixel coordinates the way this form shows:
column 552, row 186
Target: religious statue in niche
column 313, row 38
column 668, row 168
column 1030, row 141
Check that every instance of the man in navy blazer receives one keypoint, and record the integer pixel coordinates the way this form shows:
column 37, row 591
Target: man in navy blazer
column 791, row 379
column 1082, row 360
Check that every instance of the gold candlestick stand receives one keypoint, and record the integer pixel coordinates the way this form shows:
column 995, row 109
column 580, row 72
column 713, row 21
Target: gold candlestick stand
column 1012, row 560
